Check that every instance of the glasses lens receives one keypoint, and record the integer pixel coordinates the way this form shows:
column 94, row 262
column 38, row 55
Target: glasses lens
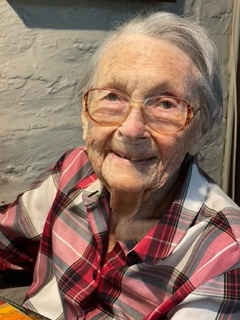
column 163, row 113
column 107, row 106
column 166, row 114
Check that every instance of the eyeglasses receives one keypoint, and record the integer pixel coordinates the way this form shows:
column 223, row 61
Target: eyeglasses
column 111, row 107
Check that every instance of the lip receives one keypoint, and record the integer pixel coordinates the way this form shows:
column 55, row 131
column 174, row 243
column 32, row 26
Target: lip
column 135, row 160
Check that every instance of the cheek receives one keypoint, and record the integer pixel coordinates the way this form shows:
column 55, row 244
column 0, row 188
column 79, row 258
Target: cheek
column 172, row 152
column 97, row 141
column 97, row 137
column 95, row 152
column 172, row 148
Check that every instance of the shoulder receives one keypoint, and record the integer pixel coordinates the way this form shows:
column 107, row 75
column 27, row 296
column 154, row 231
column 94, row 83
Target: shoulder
column 211, row 204
column 72, row 168
column 74, row 158
column 227, row 212
column 201, row 187
column 218, row 199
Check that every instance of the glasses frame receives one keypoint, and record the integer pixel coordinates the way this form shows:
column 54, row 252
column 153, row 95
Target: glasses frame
column 190, row 111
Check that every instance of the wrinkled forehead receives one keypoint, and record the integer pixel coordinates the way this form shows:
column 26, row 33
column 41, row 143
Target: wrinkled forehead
column 135, row 45
column 147, row 59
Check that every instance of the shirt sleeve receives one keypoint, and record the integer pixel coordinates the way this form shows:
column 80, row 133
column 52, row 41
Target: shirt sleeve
column 22, row 222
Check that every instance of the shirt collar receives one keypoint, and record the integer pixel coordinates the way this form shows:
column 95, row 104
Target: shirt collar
column 164, row 237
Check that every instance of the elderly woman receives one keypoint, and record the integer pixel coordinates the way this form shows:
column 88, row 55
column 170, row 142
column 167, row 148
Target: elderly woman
column 128, row 227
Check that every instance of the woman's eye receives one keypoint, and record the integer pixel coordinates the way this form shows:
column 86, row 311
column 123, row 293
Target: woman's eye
column 165, row 104
column 161, row 103
column 112, row 97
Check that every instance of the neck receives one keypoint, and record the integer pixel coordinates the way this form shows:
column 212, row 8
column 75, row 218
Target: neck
column 143, row 205
column 125, row 203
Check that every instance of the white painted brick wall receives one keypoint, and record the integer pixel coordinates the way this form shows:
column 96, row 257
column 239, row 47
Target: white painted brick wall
column 216, row 16
column 42, row 51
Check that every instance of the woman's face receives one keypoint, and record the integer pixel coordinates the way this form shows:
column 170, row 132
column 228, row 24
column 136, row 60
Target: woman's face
column 132, row 157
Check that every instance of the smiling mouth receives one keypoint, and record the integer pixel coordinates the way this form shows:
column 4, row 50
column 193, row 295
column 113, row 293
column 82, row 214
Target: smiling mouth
column 137, row 160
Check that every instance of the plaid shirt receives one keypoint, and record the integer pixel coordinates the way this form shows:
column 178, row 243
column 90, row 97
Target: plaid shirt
column 186, row 267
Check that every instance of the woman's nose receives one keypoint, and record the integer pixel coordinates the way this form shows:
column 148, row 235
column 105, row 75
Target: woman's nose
column 134, row 126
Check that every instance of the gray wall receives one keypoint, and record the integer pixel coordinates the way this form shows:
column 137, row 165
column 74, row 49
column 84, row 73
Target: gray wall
column 44, row 45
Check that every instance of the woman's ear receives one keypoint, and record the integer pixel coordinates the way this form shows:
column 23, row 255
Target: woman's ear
column 198, row 139
column 196, row 144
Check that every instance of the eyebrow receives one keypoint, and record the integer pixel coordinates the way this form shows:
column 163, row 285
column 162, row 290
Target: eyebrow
column 164, row 88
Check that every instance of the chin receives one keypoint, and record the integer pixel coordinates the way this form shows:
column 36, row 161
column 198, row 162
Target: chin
column 128, row 177
column 125, row 184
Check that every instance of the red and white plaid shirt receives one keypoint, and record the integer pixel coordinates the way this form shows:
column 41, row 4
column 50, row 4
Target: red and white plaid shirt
column 186, row 267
